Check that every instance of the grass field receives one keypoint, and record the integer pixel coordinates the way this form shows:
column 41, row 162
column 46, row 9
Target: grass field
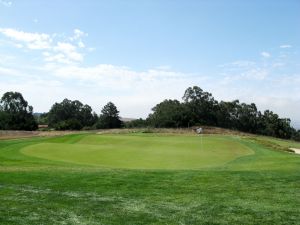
column 149, row 179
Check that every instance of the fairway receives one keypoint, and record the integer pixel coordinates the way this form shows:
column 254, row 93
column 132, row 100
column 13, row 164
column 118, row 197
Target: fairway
column 149, row 178
column 143, row 151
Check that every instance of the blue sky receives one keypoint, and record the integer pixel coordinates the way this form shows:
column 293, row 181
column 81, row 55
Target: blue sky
column 137, row 53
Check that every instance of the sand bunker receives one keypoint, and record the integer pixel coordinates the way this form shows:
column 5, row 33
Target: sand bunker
column 296, row 150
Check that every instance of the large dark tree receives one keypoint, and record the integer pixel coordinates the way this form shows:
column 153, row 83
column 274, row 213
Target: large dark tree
column 109, row 117
column 227, row 114
column 202, row 106
column 272, row 125
column 71, row 115
column 15, row 113
column 169, row 113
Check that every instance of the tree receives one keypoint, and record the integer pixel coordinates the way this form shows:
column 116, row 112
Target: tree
column 247, row 117
column 296, row 135
column 109, row 117
column 169, row 113
column 15, row 113
column 202, row 106
column 138, row 123
column 41, row 118
column 227, row 114
column 71, row 115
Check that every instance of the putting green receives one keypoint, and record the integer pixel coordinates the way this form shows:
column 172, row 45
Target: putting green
column 142, row 151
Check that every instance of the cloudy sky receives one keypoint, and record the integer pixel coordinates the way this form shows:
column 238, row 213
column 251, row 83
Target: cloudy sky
column 138, row 53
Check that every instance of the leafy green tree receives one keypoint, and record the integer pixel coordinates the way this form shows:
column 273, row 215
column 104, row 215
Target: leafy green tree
column 4, row 120
column 71, row 115
column 15, row 113
column 296, row 135
column 202, row 106
column 227, row 114
column 247, row 117
column 109, row 117
column 169, row 113
column 272, row 125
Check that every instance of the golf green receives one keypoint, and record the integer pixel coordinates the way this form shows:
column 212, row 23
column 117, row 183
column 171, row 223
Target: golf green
column 139, row 151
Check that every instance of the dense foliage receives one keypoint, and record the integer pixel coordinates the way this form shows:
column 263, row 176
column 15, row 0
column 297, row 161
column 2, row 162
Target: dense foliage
column 200, row 108
column 139, row 123
column 71, row 115
column 41, row 118
column 109, row 117
column 197, row 108
column 15, row 113
column 169, row 113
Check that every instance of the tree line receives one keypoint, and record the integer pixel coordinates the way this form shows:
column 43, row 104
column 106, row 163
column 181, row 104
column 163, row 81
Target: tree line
column 197, row 108
column 16, row 114
column 200, row 108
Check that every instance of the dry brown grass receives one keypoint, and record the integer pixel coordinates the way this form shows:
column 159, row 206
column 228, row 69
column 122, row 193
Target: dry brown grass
column 189, row 131
column 15, row 134
column 12, row 134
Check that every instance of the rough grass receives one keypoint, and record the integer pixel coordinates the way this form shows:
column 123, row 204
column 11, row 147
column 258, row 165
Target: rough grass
column 261, row 188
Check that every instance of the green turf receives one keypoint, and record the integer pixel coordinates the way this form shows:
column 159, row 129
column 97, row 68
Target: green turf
column 143, row 152
column 74, row 180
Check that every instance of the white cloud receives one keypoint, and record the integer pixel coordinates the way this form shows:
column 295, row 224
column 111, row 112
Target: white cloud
column 6, row 3
column 265, row 54
column 69, row 51
column 4, row 58
column 243, row 70
column 59, row 58
column 164, row 67
column 78, row 34
column 134, row 92
column 9, row 72
column 237, row 65
column 81, row 44
column 32, row 40
column 115, row 77
column 57, row 51
column 256, row 73
column 285, row 46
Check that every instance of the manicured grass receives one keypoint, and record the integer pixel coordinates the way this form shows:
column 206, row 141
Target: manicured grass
column 143, row 151
column 248, row 184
